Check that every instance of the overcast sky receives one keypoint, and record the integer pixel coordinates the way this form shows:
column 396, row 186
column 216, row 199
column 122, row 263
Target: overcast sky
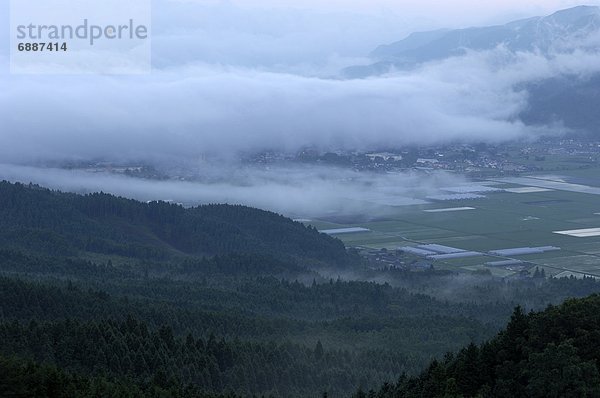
column 448, row 11
column 309, row 33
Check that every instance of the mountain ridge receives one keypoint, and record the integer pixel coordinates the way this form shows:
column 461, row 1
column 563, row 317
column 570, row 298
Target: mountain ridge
column 39, row 221
column 558, row 32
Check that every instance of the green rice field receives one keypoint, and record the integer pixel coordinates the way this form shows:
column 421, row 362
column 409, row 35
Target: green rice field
column 501, row 220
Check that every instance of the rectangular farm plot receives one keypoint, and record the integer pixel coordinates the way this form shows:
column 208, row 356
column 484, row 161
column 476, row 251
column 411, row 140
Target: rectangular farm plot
column 586, row 246
column 527, row 190
column 582, row 264
column 549, row 184
column 439, row 252
column 519, row 251
column 450, row 209
column 470, row 188
column 455, row 196
column 580, row 233
column 339, row 231
column 451, row 256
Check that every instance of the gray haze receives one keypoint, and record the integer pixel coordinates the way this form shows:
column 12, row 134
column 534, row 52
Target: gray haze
column 231, row 79
column 297, row 191
column 186, row 112
column 228, row 78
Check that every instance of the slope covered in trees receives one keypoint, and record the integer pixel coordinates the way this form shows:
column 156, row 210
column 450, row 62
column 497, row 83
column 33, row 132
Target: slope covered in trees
column 554, row 353
column 104, row 296
column 26, row 379
column 49, row 222
column 113, row 349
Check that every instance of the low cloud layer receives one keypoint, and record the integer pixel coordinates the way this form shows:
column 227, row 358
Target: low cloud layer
column 186, row 112
column 202, row 99
column 298, row 191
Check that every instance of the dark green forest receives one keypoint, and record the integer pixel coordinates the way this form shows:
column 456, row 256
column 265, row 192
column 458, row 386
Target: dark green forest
column 110, row 297
column 55, row 223
column 554, row 353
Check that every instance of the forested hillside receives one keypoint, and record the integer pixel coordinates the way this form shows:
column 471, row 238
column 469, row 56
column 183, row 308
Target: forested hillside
column 210, row 301
column 554, row 353
column 567, row 99
column 49, row 222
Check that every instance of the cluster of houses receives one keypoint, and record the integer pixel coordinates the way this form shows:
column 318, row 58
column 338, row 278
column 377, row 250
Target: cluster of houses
column 384, row 258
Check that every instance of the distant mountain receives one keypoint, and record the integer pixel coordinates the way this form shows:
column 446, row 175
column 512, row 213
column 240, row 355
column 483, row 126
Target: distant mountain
column 563, row 30
column 571, row 100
